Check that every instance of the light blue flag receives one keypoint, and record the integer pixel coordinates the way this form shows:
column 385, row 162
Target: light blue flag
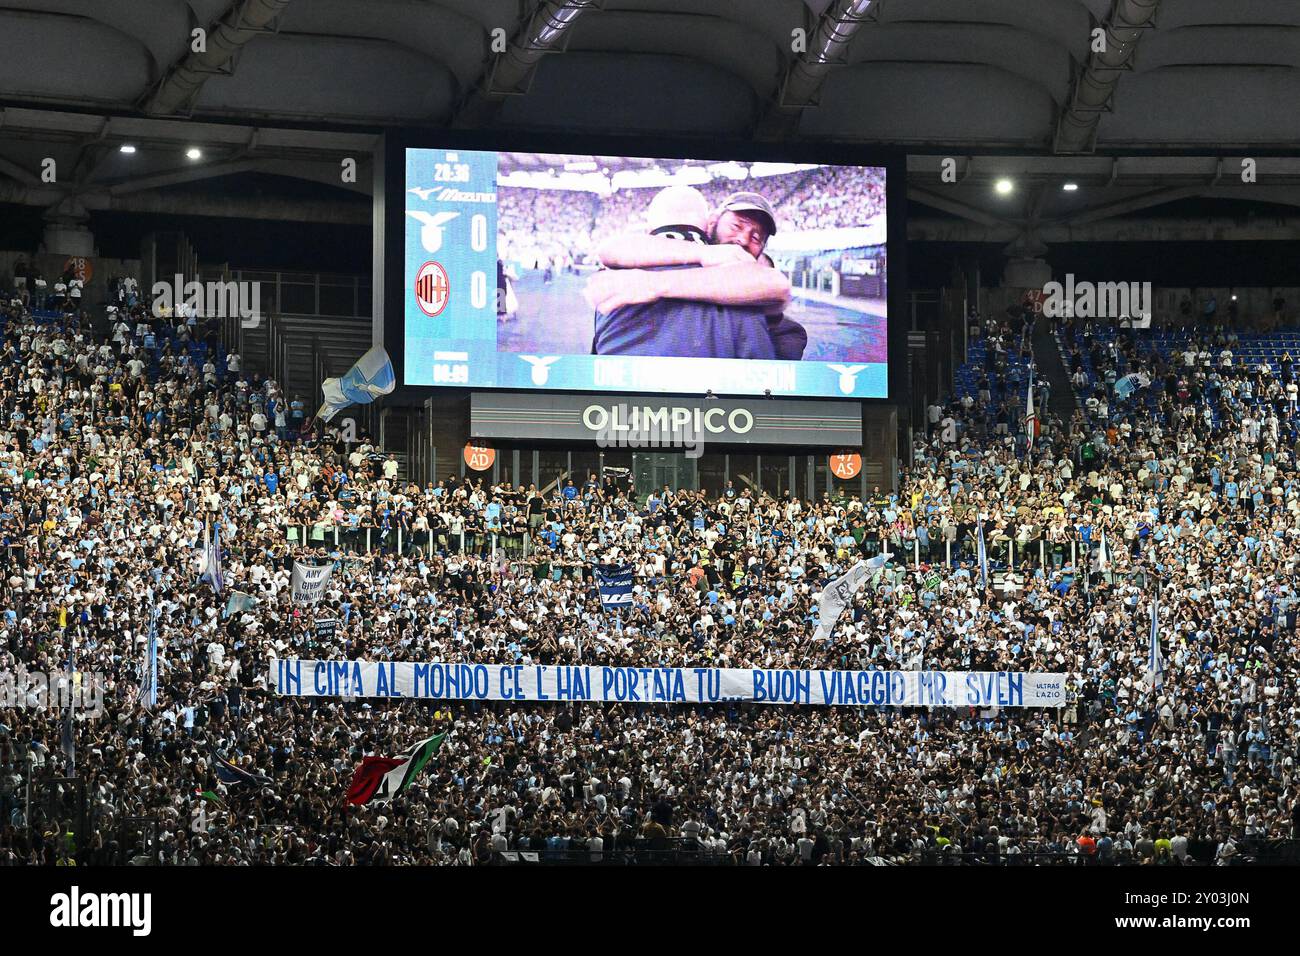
column 1130, row 383
column 238, row 602
column 982, row 554
column 371, row 377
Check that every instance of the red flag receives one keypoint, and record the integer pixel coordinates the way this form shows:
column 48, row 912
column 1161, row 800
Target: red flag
column 368, row 777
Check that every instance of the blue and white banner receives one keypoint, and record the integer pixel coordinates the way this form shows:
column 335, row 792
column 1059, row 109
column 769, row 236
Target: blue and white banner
column 1155, row 661
column 665, row 685
column 615, row 584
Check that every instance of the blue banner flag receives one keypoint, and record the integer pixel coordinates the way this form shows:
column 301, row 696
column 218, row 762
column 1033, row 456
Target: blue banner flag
column 228, row 773
column 1155, row 663
column 615, row 584
column 150, row 696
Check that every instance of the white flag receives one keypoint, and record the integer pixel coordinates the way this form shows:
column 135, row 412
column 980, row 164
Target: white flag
column 1103, row 555
column 838, row 593
column 309, row 582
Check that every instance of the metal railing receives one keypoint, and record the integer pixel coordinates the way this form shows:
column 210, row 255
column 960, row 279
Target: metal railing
column 641, row 852
column 369, row 539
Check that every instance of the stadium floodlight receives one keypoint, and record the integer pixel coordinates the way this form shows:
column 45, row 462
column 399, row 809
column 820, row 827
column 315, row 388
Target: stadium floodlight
column 126, row 148
column 194, row 153
column 1071, row 187
column 1004, row 186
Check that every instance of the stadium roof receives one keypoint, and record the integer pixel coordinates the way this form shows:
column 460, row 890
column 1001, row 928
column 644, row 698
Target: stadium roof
column 1079, row 88
column 986, row 73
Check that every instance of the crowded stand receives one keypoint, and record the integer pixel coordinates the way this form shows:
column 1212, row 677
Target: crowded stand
column 122, row 440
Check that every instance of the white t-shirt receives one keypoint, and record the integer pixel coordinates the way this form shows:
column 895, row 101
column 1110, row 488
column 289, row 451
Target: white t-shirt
column 805, row 847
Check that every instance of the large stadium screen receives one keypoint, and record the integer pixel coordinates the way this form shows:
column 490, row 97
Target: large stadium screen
column 608, row 273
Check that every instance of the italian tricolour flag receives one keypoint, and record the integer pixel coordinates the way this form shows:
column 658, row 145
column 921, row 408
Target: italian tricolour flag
column 382, row 778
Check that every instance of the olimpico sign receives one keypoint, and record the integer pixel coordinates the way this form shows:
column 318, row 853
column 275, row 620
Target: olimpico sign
column 667, row 419
column 635, row 421
column 661, row 426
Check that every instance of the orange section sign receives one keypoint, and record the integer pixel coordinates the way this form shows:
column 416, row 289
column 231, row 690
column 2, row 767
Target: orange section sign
column 80, row 267
column 846, row 466
column 479, row 457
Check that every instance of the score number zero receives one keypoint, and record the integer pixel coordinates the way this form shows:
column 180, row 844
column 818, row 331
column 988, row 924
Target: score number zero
column 478, row 240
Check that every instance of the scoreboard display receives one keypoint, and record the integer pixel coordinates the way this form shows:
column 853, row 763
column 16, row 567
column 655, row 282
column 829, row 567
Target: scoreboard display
column 601, row 273
column 451, row 259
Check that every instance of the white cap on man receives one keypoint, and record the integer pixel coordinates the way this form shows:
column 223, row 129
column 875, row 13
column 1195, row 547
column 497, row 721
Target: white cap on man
column 678, row 206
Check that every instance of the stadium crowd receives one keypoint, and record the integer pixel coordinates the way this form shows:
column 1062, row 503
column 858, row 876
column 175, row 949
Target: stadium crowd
column 118, row 445
column 559, row 228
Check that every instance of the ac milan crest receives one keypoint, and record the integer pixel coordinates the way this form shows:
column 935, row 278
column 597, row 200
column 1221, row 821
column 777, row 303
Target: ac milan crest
column 432, row 290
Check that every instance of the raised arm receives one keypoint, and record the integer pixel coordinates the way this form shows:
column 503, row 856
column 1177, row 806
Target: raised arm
column 742, row 283
column 637, row 250
column 745, row 283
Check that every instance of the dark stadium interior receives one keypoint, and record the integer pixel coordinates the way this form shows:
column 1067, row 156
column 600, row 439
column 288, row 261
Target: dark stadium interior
column 958, row 525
